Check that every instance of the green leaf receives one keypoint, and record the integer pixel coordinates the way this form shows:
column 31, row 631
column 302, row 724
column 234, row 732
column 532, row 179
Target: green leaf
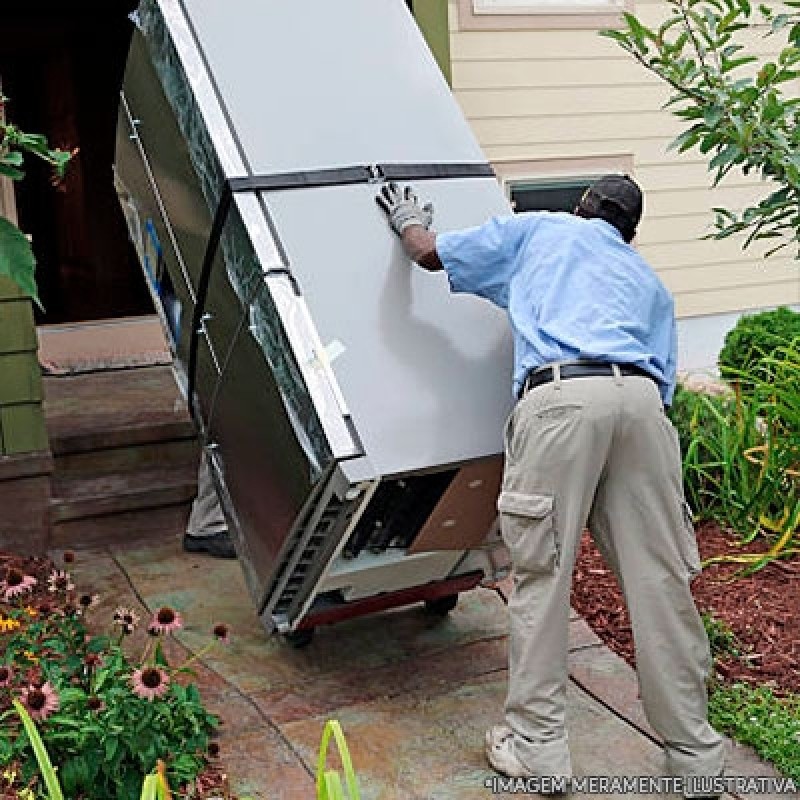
column 17, row 260
column 733, row 63
column 43, row 759
column 11, row 172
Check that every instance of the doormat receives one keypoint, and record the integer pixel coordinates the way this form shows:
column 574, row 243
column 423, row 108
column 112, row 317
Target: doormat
column 102, row 345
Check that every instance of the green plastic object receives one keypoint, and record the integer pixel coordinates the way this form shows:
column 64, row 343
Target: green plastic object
column 329, row 782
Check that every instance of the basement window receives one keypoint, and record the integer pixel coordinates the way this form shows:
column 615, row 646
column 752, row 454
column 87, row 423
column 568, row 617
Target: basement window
column 560, row 194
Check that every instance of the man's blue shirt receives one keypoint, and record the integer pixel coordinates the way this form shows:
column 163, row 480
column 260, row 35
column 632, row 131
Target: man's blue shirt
column 573, row 289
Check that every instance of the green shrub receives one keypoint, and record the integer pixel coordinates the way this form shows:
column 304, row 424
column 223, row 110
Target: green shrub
column 754, row 338
column 741, row 457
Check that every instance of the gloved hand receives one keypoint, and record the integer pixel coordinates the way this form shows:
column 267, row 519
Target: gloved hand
column 403, row 208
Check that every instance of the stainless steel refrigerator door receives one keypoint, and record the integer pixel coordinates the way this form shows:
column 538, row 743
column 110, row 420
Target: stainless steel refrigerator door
column 426, row 373
column 310, row 84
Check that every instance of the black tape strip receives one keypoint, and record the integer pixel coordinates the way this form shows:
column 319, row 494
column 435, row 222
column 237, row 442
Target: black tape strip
column 301, row 180
column 343, row 176
column 418, row 172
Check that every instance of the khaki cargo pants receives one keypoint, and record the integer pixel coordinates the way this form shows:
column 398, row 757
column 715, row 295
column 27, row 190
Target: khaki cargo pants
column 600, row 449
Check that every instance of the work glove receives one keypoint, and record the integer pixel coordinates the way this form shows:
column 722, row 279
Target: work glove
column 403, row 208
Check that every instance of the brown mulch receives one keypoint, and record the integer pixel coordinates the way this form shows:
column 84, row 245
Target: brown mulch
column 762, row 610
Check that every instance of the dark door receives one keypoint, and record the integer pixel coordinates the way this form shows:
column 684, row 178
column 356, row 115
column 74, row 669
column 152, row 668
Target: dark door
column 62, row 66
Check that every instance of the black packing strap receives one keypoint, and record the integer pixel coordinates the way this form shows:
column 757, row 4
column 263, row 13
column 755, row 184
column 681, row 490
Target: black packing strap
column 343, row 176
column 417, row 172
column 308, row 179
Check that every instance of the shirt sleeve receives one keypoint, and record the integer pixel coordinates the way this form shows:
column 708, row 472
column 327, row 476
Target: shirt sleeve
column 482, row 260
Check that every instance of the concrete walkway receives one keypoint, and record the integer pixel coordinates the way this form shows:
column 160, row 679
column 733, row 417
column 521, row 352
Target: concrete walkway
column 414, row 694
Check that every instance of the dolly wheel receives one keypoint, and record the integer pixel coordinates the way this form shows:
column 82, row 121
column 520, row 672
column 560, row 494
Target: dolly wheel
column 298, row 639
column 441, row 606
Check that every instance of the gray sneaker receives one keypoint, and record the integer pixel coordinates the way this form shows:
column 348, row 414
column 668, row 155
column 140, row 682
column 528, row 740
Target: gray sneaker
column 501, row 758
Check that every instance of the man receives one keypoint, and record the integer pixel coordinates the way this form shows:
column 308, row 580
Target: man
column 207, row 531
column 594, row 367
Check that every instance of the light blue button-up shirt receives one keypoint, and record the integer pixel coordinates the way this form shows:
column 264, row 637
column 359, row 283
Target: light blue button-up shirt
column 573, row 289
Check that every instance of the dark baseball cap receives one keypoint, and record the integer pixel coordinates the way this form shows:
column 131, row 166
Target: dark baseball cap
column 615, row 198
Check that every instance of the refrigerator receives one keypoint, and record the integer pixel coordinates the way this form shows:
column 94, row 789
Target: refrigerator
column 350, row 406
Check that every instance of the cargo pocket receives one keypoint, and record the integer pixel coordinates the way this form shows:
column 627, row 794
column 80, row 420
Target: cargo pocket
column 527, row 522
column 689, row 550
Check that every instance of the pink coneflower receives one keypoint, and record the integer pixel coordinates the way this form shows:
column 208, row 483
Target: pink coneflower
column 222, row 632
column 6, row 674
column 149, row 682
column 87, row 601
column 93, row 660
column 126, row 618
column 166, row 620
column 16, row 583
column 60, row 581
column 94, row 703
column 40, row 701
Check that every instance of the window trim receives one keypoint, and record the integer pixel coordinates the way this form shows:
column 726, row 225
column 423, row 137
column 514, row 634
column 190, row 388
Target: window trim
column 594, row 17
column 552, row 170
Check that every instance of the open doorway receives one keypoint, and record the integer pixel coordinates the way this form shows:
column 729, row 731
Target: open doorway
column 61, row 67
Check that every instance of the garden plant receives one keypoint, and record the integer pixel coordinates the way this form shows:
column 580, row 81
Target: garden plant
column 740, row 108
column 16, row 255
column 742, row 448
column 106, row 716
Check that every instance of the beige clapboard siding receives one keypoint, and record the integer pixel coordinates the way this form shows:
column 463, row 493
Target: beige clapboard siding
column 717, row 252
column 535, row 95
column 505, row 74
column 539, row 102
column 536, row 45
column 650, row 150
column 621, row 128
column 739, row 298
column 680, row 201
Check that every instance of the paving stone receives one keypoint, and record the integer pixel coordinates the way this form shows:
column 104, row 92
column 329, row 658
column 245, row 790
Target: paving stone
column 414, row 694
column 425, row 745
column 606, row 676
column 215, row 591
column 261, row 765
column 432, row 672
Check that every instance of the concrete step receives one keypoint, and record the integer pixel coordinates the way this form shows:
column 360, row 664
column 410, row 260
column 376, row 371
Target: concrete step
column 125, row 454
column 83, row 497
column 172, row 453
column 127, row 529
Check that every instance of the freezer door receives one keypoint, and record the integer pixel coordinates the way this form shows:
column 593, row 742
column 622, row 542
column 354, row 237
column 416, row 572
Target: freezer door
column 309, row 84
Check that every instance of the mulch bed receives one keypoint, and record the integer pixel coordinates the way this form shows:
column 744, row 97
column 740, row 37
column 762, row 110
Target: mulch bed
column 762, row 610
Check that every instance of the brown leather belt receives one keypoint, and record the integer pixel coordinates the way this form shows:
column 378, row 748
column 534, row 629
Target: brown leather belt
column 542, row 375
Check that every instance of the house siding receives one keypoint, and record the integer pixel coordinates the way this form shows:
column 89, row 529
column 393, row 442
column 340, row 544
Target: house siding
column 536, row 95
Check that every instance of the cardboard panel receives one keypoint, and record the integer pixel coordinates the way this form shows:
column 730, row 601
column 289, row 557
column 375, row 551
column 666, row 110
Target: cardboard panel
column 464, row 515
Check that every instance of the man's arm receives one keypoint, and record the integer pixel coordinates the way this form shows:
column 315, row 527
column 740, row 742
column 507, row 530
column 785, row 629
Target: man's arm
column 420, row 246
column 410, row 222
